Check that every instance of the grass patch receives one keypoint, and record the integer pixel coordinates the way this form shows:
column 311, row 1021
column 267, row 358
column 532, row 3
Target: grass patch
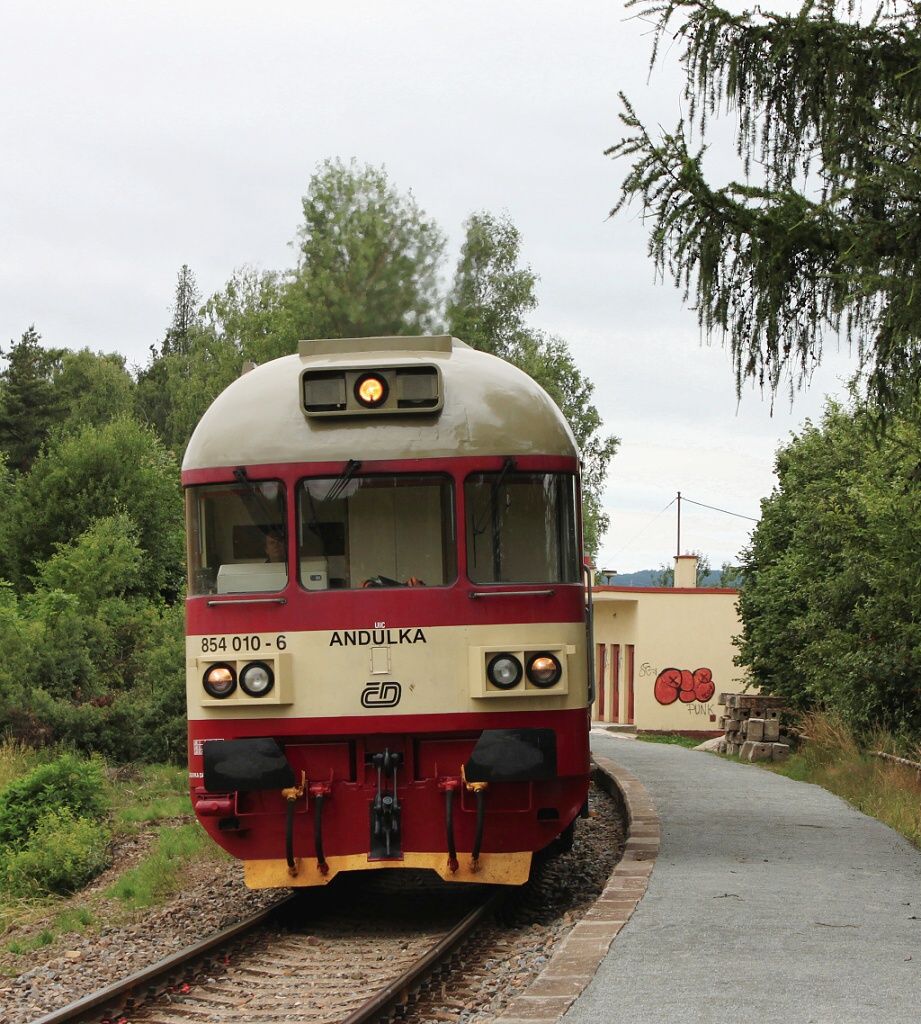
column 150, row 792
column 15, row 760
column 148, row 783
column 832, row 758
column 167, row 807
column 159, row 875
column 70, row 921
column 674, row 738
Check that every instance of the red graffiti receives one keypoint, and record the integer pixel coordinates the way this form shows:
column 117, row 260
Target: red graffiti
column 681, row 684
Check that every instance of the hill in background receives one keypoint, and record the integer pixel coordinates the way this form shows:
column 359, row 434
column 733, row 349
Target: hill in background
column 650, row 578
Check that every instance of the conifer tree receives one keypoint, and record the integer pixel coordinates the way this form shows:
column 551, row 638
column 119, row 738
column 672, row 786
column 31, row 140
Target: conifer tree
column 822, row 234
column 28, row 403
column 186, row 315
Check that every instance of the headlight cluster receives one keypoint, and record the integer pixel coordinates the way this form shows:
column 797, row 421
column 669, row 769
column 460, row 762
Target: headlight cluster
column 256, row 679
column 543, row 670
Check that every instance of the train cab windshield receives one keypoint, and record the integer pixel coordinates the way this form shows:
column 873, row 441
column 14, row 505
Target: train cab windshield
column 376, row 531
column 237, row 535
column 521, row 527
column 389, row 530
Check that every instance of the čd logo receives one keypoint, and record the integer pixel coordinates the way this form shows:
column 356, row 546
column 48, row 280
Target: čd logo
column 381, row 695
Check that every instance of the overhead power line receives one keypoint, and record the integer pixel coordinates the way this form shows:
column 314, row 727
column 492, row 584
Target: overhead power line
column 644, row 528
column 713, row 508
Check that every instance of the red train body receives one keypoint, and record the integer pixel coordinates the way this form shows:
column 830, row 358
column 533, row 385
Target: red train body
column 386, row 650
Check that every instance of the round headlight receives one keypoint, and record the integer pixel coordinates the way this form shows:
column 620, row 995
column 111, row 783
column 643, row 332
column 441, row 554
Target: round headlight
column 504, row 671
column 219, row 680
column 257, row 679
column 371, row 390
column 544, row 670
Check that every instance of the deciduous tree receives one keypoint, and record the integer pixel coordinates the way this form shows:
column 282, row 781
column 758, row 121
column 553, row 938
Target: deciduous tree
column 98, row 471
column 490, row 299
column 92, row 387
column 832, row 582
column 368, row 258
column 492, row 292
column 252, row 315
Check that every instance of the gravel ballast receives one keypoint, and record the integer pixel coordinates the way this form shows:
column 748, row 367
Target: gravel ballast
column 494, row 967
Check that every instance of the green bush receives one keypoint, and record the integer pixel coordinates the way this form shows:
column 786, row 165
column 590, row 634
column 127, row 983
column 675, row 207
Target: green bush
column 66, row 784
column 829, row 606
column 118, row 469
column 63, row 853
column 105, row 676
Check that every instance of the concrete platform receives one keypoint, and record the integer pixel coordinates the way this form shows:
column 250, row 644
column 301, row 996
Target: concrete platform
column 770, row 900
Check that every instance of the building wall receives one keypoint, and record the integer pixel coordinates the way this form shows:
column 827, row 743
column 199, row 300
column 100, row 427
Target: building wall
column 679, row 641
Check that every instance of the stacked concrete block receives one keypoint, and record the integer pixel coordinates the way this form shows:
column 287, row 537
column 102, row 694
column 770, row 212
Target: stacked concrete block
column 752, row 725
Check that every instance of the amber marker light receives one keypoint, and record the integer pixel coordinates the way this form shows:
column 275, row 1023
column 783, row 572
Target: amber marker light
column 220, row 681
column 544, row 670
column 371, row 390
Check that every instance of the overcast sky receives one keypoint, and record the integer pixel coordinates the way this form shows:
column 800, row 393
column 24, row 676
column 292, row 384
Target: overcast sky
column 135, row 137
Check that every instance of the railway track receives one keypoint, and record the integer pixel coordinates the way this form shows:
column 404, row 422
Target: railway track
column 345, row 955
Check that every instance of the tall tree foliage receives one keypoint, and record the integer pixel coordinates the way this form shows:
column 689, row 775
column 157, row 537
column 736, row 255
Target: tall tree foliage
column 823, row 235
column 492, row 292
column 368, row 257
column 185, row 316
column 43, row 389
column 490, row 299
column 87, row 473
column 369, row 261
column 831, row 602
column 187, row 371
column 28, row 403
column 254, row 315
column 92, row 387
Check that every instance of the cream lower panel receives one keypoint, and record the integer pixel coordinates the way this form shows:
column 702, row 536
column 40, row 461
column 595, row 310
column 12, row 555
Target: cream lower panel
column 409, row 672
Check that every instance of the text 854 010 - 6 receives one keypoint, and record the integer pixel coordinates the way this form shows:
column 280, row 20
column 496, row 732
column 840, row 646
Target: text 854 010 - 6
column 247, row 644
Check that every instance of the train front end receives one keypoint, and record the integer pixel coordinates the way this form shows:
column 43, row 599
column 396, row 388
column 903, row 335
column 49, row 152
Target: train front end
column 386, row 652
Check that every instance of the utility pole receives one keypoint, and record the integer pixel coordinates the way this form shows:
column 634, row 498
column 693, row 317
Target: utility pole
column 678, row 550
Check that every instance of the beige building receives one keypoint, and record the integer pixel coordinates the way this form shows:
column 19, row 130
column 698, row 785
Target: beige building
column 663, row 655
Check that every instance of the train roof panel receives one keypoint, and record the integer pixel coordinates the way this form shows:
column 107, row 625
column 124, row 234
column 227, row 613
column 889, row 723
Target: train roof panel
column 490, row 408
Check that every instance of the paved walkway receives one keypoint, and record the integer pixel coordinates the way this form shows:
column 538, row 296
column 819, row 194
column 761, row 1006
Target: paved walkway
column 771, row 901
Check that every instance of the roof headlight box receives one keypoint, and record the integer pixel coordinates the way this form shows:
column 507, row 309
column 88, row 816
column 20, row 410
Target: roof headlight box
column 365, row 390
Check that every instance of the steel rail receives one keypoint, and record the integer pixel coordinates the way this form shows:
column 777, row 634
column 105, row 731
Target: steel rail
column 391, row 993
column 148, row 977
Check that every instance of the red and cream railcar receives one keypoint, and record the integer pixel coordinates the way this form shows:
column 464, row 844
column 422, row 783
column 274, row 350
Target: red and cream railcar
column 386, row 653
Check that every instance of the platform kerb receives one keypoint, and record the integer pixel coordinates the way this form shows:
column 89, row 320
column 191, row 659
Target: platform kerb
column 577, row 958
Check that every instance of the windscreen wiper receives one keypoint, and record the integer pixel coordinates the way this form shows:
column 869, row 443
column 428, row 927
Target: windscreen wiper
column 256, row 503
column 479, row 526
column 339, row 484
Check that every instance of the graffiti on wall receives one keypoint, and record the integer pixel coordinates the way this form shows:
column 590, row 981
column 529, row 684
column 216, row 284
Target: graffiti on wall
column 684, row 685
